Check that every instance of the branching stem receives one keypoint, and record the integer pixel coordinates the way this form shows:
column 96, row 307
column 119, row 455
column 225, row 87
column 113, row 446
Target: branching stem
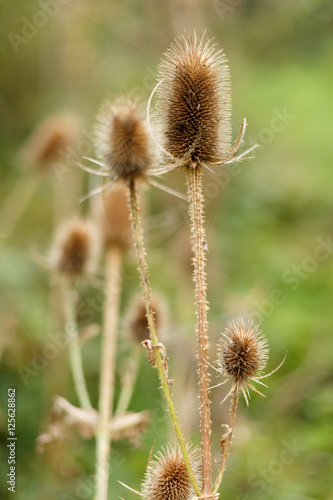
column 138, row 236
column 227, row 444
column 74, row 346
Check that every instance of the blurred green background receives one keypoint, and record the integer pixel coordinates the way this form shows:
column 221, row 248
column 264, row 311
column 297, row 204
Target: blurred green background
column 269, row 233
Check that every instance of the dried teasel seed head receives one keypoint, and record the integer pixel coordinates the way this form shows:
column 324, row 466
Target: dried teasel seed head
column 136, row 322
column 76, row 249
column 122, row 140
column 113, row 217
column 194, row 101
column 50, row 140
column 242, row 353
column 167, row 477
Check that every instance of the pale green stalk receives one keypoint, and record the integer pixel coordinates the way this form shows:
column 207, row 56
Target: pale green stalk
column 74, row 346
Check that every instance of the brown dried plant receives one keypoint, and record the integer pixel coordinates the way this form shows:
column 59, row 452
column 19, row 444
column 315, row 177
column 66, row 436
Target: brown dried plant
column 73, row 257
column 122, row 140
column 167, row 477
column 75, row 249
column 242, row 355
column 194, row 109
column 194, row 102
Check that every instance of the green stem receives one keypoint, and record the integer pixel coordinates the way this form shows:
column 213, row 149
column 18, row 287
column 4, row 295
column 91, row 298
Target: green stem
column 107, row 376
column 74, row 347
column 138, row 235
column 227, row 445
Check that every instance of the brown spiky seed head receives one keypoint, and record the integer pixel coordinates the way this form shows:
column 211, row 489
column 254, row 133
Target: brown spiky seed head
column 167, row 477
column 242, row 351
column 194, row 101
column 76, row 248
column 113, row 217
column 50, row 141
column 122, row 140
column 136, row 321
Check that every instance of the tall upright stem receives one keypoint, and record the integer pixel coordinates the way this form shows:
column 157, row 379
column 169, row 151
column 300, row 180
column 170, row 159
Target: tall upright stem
column 227, row 445
column 138, row 236
column 74, row 347
column 108, row 359
column 196, row 212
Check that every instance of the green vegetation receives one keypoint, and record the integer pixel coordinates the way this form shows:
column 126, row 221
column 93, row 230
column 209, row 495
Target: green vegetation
column 269, row 232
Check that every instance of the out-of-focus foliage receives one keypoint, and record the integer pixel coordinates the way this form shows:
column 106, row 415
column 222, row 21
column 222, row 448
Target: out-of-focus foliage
column 269, row 225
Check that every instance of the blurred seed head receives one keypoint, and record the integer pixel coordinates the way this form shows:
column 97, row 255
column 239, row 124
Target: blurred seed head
column 242, row 352
column 136, row 322
column 48, row 143
column 122, row 140
column 195, row 101
column 75, row 249
column 113, row 217
column 167, row 477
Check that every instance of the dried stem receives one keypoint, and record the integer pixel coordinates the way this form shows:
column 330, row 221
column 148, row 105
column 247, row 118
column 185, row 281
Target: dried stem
column 108, row 359
column 138, row 237
column 227, row 444
column 74, row 346
column 196, row 212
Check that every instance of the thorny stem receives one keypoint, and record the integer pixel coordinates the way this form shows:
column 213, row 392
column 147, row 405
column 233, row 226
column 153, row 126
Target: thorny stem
column 138, row 236
column 108, row 359
column 196, row 212
column 226, row 446
column 74, row 347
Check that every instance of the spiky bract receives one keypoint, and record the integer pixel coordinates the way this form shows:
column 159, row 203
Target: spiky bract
column 194, row 101
column 122, row 140
column 242, row 354
column 75, row 249
column 167, row 477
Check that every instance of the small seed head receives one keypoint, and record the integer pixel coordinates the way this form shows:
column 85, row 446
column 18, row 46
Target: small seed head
column 242, row 352
column 136, row 321
column 167, row 477
column 122, row 140
column 75, row 249
column 194, row 101
column 49, row 141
